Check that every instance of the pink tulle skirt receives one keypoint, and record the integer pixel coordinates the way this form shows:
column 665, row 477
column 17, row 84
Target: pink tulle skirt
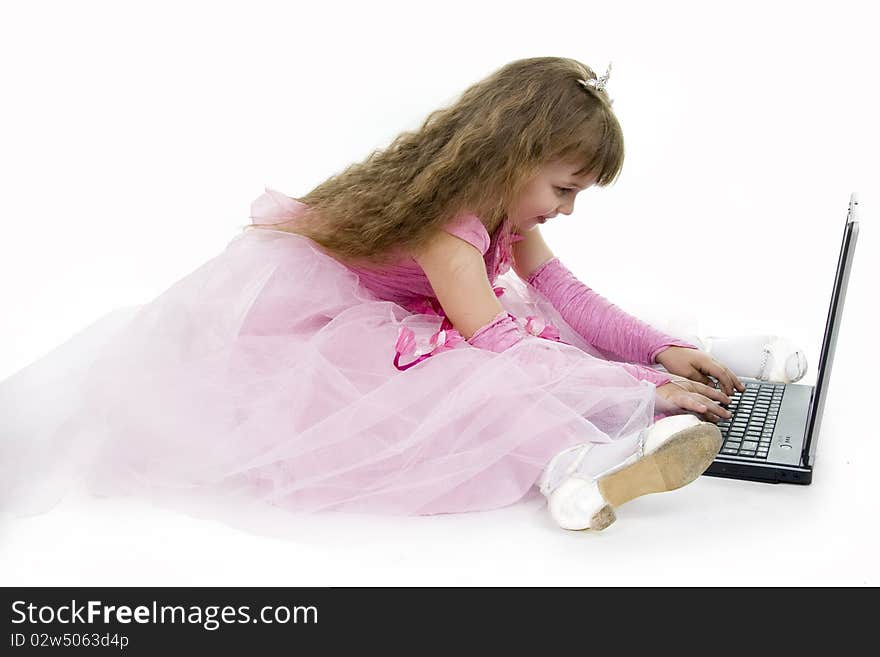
column 267, row 376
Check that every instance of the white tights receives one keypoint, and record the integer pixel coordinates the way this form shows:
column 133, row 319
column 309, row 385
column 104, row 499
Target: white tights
column 763, row 356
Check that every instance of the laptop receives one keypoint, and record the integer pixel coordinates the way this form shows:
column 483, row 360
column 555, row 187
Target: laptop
column 774, row 428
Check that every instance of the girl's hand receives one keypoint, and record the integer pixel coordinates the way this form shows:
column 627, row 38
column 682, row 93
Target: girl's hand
column 696, row 397
column 696, row 365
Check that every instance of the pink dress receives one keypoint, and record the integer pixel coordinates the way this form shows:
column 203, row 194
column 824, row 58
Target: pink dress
column 276, row 374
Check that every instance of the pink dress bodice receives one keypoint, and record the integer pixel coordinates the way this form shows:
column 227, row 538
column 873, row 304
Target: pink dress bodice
column 404, row 282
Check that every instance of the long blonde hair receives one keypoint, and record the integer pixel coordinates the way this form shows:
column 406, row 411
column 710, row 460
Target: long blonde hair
column 474, row 156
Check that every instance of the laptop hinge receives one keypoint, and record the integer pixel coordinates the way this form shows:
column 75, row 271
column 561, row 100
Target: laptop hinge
column 808, row 431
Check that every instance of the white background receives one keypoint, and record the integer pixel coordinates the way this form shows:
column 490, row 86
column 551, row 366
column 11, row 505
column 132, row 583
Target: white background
column 133, row 137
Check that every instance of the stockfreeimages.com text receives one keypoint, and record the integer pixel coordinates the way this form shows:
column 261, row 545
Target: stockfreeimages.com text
column 210, row 617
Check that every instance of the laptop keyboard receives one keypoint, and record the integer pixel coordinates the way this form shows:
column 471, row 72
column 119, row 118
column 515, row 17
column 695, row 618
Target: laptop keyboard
column 750, row 429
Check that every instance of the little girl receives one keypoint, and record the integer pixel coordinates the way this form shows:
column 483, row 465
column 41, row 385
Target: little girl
column 365, row 348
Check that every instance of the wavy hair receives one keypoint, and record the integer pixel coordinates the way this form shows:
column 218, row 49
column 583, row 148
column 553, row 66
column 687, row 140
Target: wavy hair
column 473, row 156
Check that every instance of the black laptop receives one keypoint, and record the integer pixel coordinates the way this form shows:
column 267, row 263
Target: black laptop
column 774, row 429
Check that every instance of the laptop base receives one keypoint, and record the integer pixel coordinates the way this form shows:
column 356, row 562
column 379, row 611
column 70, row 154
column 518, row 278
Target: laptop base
column 764, row 473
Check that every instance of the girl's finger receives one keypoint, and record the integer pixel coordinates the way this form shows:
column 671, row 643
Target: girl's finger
column 717, row 411
column 721, row 373
column 692, row 402
column 699, row 377
column 701, row 406
column 708, row 416
column 739, row 385
column 731, row 381
column 714, row 393
column 704, row 407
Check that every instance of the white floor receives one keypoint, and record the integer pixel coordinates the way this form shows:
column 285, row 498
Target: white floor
column 728, row 207
column 712, row 532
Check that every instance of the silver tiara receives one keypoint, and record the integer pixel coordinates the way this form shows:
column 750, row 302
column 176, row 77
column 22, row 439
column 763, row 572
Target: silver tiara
column 597, row 83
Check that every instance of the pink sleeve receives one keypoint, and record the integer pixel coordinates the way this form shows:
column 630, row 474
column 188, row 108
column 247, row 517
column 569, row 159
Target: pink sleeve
column 502, row 332
column 499, row 334
column 598, row 321
column 469, row 228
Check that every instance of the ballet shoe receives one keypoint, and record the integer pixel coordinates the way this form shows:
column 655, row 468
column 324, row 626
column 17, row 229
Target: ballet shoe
column 675, row 451
column 767, row 358
column 785, row 363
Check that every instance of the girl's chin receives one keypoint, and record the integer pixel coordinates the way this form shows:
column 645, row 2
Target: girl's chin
column 529, row 224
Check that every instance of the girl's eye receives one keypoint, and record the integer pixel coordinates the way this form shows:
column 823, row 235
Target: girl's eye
column 564, row 189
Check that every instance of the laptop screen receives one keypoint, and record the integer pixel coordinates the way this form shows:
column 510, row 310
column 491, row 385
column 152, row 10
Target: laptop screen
column 832, row 327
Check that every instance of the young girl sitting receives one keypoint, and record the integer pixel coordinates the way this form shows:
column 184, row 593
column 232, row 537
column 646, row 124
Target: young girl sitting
column 399, row 340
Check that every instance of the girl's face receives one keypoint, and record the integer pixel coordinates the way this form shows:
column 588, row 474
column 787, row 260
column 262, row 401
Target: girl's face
column 550, row 192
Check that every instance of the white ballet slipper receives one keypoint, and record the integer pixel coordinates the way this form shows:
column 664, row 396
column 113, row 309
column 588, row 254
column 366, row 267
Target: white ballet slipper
column 785, row 363
column 674, row 451
column 577, row 504
column 764, row 357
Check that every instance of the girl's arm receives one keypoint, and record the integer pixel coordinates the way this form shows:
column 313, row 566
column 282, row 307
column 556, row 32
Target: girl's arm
column 529, row 253
column 598, row 321
column 457, row 273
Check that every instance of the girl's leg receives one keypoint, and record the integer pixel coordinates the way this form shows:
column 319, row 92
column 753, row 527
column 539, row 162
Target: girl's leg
column 765, row 357
column 671, row 453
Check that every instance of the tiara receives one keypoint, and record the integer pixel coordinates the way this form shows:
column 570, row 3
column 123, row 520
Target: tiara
column 598, row 84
